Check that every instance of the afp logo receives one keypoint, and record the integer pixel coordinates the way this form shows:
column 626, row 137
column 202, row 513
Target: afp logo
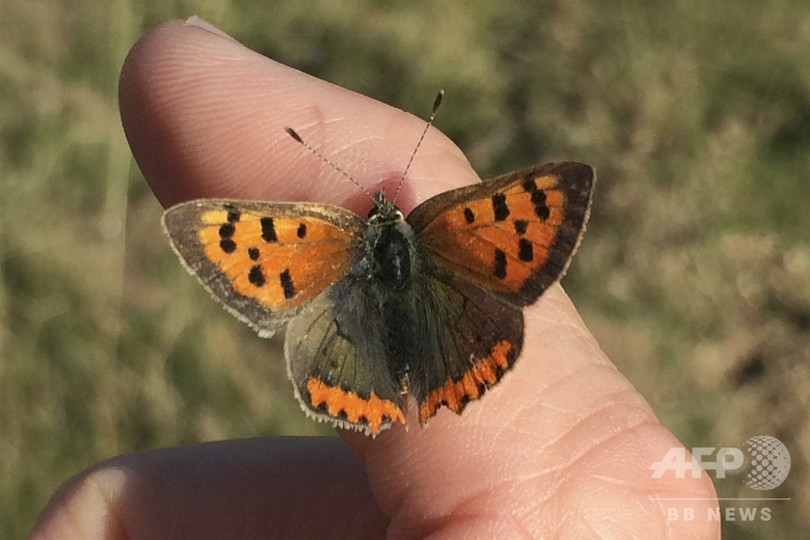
column 767, row 466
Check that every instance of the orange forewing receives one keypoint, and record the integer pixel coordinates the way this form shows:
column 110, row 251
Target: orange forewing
column 513, row 235
column 313, row 263
column 279, row 255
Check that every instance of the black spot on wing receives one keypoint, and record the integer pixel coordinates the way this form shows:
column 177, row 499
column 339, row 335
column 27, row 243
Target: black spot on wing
column 539, row 202
column 500, row 264
column 226, row 230
column 287, row 284
column 256, row 276
column 525, row 250
column 233, row 215
column 226, row 243
column 268, row 229
column 499, row 207
column 469, row 215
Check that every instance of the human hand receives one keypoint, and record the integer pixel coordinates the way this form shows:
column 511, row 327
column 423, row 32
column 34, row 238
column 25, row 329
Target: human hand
column 561, row 447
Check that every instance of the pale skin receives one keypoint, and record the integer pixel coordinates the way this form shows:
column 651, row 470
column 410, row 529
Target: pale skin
column 560, row 448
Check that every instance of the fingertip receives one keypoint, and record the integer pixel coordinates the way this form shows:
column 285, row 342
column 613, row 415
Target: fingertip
column 206, row 117
column 186, row 113
column 199, row 22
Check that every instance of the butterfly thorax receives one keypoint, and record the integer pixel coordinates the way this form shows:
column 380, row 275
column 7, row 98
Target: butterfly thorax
column 389, row 241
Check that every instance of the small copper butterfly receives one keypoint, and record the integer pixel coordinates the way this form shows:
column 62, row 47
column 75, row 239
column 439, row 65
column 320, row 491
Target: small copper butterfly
column 429, row 305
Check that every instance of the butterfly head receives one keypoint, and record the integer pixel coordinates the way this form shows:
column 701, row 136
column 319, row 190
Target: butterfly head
column 383, row 209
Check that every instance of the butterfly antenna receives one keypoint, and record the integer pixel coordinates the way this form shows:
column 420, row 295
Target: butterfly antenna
column 292, row 133
column 436, row 103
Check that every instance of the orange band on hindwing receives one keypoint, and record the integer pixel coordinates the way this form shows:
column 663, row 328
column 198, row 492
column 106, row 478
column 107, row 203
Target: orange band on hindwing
column 455, row 394
column 338, row 403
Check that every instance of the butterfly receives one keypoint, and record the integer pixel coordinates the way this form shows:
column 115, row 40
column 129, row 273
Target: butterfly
column 428, row 306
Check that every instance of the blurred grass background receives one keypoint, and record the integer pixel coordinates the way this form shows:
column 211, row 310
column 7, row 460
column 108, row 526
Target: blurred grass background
column 694, row 274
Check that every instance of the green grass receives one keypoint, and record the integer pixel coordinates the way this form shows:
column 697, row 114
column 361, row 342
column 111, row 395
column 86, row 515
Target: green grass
column 694, row 274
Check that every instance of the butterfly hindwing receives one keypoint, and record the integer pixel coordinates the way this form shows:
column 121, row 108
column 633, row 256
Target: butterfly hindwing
column 474, row 338
column 513, row 235
column 353, row 350
column 336, row 351
column 264, row 261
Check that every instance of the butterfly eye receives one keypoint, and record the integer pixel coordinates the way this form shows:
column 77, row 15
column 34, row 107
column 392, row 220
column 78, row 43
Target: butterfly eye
column 373, row 212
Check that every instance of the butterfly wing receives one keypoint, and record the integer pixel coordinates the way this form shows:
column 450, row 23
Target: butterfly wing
column 264, row 261
column 513, row 235
column 497, row 246
column 336, row 351
column 469, row 340
column 346, row 348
